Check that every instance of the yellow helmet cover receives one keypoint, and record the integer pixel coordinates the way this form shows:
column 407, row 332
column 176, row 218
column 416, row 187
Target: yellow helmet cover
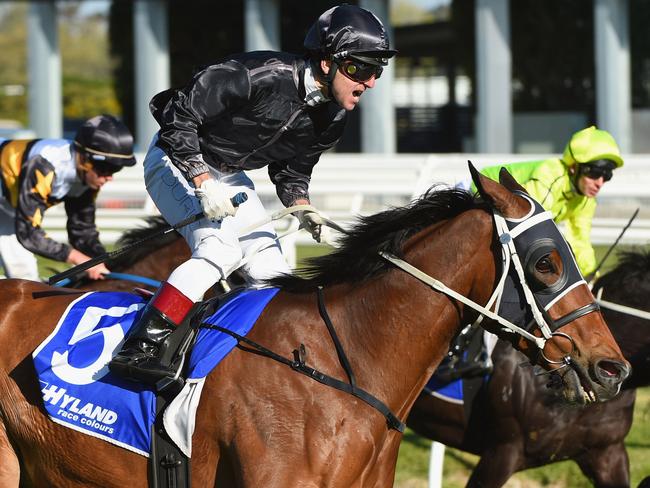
column 591, row 144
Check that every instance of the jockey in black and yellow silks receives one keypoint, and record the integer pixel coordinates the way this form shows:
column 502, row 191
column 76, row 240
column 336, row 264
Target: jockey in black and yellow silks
column 37, row 174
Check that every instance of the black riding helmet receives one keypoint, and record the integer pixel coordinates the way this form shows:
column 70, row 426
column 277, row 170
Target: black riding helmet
column 107, row 143
column 348, row 32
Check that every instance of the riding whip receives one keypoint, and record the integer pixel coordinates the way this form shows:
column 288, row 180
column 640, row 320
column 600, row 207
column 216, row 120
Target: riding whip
column 611, row 248
column 237, row 200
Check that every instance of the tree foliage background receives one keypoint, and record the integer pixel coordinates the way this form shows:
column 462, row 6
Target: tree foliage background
column 86, row 65
column 13, row 63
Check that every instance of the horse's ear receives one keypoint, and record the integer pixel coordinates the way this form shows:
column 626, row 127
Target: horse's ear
column 507, row 180
column 476, row 178
column 498, row 196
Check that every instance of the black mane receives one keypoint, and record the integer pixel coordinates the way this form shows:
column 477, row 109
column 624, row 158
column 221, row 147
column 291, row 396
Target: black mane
column 629, row 280
column 132, row 236
column 358, row 259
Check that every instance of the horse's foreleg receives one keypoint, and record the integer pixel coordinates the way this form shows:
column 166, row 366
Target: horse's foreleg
column 496, row 466
column 9, row 465
column 608, row 467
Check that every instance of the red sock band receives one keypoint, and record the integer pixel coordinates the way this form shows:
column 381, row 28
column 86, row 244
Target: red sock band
column 172, row 303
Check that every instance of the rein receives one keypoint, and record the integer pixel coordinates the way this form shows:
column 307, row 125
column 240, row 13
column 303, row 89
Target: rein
column 298, row 364
column 143, row 280
column 62, row 278
column 441, row 287
column 282, row 213
column 506, row 238
column 617, row 307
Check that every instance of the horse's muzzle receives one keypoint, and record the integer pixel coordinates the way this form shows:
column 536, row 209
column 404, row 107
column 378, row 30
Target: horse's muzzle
column 597, row 383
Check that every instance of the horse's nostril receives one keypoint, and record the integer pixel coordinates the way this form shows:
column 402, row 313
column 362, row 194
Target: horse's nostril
column 609, row 368
column 612, row 369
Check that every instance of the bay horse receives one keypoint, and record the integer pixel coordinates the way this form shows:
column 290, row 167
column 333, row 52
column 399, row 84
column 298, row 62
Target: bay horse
column 517, row 423
column 259, row 423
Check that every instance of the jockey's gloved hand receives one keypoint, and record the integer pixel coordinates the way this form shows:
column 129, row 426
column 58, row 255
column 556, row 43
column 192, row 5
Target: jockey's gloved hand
column 311, row 222
column 214, row 201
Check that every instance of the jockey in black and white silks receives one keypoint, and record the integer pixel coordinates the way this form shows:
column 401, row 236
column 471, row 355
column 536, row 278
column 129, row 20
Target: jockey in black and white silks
column 252, row 110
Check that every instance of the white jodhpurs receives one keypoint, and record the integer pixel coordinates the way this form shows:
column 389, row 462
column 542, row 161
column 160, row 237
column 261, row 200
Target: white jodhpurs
column 217, row 247
column 17, row 261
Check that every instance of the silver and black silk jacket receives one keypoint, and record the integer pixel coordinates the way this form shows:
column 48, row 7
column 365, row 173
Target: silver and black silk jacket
column 247, row 112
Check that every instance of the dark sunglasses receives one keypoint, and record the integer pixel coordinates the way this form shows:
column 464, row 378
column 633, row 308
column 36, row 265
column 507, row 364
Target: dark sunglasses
column 359, row 71
column 595, row 172
column 102, row 168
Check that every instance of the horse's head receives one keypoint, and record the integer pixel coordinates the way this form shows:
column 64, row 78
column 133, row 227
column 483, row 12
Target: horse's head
column 557, row 322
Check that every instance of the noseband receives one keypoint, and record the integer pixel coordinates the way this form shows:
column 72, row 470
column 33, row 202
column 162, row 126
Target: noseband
column 523, row 237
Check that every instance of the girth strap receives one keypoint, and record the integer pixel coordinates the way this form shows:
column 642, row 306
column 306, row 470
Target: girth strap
column 168, row 466
column 298, row 364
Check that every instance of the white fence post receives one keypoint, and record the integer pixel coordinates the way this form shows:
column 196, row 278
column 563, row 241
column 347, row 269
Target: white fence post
column 435, row 464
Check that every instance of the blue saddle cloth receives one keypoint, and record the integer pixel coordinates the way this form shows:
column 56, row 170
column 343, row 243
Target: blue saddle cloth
column 79, row 391
column 450, row 391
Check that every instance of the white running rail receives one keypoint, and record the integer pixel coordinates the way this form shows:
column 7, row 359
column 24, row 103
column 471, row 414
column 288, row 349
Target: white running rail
column 347, row 185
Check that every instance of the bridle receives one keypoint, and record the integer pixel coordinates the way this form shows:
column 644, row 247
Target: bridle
column 517, row 238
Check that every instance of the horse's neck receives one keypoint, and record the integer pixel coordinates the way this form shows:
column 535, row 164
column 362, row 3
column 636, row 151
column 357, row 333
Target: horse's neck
column 627, row 285
column 630, row 332
column 401, row 328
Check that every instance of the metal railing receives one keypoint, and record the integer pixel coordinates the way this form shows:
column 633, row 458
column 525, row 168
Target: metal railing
column 347, row 185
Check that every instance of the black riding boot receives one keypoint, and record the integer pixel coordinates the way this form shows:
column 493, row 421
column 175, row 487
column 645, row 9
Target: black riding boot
column 145, row 356
column 464, row 361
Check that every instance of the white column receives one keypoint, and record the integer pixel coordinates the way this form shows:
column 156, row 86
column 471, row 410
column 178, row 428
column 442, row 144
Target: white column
column 44, row 68
column 493, row 77
column 377, row 108
column 151, row 43
column 262, row 25
column 613, row 86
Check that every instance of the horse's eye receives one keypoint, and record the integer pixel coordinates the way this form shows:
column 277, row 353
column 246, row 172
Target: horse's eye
column 545, row 265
